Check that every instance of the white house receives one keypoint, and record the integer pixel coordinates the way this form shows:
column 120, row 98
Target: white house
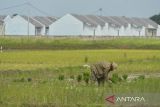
column 23, row 25
column 111, row 27
column 46, row 21
column 72, row 24
column 89, row 25
column 151, row 29
column 4, row 19
column 148, row 27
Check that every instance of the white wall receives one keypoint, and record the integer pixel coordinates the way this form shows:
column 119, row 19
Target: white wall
column 131, row 31
column 18, row 26
column 135, row 31
column 89, row 31
column 143, row 31
column 109, row 30
column 1, row 29
column 158, row 30
column 43, row 31
column 67, row 25
column 99, row 30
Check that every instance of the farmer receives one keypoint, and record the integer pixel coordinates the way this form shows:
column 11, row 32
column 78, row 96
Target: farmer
column 100, row 71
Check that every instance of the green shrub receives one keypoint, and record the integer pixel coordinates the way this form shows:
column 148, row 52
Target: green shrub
column 86, row 59
column 29, row 79
column 115, row 78
column 19, row 80
column 79, row 78
column 124, row 77
column 22, row 80
column 86, row 77
column 141, row 77
column 61, row 77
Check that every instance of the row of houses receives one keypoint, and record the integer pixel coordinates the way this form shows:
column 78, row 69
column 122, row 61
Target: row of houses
column 24, row 25
column 81, row 25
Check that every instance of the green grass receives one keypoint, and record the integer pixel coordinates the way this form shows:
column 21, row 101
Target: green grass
column 77, row 43
column 43, row 68
column 46, row 89
column 30, row 70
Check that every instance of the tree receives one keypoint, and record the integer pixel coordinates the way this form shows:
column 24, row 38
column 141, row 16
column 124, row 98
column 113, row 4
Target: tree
column 156, row 18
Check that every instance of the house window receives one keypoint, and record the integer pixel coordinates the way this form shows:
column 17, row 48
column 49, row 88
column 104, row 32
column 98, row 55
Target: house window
column 38, row 30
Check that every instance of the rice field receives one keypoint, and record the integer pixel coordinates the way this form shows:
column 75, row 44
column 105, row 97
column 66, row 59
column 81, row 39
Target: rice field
column 42, row 72
column 129, row 61
column 30, row 78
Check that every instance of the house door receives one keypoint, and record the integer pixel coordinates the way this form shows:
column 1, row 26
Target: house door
column 151, row 32
column 38, row 31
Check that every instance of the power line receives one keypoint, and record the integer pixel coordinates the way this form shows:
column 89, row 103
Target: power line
column 39, row 10
column 27, row 4
column 14, row 6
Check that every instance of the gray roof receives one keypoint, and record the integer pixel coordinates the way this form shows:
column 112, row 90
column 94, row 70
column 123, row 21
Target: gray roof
column 120, row 20
column 96, row 19
column 53, row 19
column 44, row 20
column 132, row 22
column 114, row 21
column 85, row 20
column 110, row 21
column 140, row 21
column 33, row 21
column 149, row 21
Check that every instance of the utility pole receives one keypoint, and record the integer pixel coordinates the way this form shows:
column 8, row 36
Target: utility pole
column 94, row 34
column 28, row 27
column 28, row 19
column 100, row 10
column 139, row 33
column 118, row 32
column 3, row 29
column 1, row 49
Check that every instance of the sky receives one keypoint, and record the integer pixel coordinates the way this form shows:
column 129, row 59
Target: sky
column 129, row 8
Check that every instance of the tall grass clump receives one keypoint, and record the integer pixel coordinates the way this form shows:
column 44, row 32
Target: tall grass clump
column 125, row 76
column 86, row 59
column 79, row 78
column 115, row 78
column 61, row 77
column 86, row 77
column 141, row 77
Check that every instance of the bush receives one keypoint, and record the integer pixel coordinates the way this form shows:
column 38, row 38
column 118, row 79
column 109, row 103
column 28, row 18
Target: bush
column 115, row 78
column 19, row 80
column 22, row 80
column 124, row 77
column 61, row 77
column 79, row 78
column 86, row 59
column 29, row 79
column 86, row 77
column 141, row 77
